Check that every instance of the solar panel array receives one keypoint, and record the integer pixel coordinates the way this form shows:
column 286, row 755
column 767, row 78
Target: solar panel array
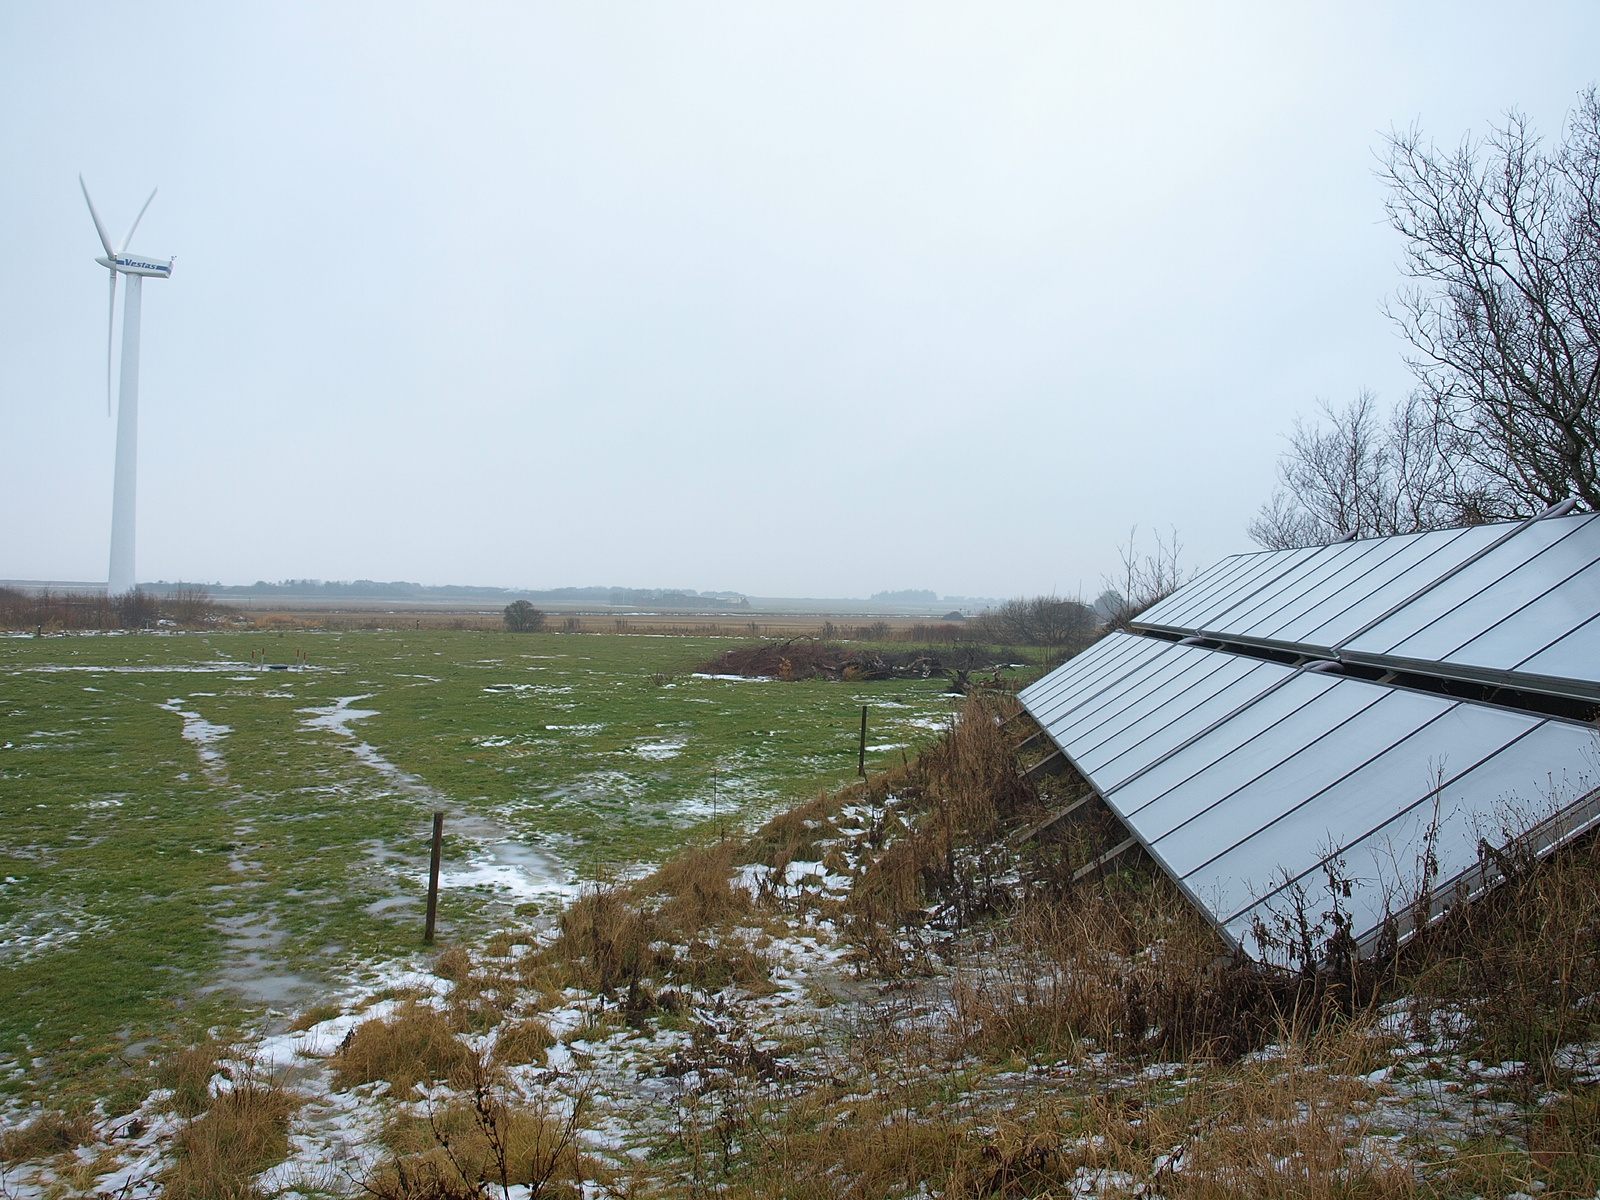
column 1250, row 780
column 1509, row 605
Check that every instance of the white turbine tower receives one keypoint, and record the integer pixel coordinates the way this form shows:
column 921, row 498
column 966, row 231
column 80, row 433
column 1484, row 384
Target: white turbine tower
column 124, row 493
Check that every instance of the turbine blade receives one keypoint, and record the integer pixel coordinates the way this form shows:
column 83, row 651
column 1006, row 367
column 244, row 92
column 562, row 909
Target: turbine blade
column 99, row 226
column 136, row 220
column 111, row 328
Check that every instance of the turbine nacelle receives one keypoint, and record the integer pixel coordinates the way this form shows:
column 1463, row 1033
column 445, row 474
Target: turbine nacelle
column 138, row 264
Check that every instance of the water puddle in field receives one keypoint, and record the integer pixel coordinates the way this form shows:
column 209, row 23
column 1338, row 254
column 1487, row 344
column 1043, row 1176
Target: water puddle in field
column 254, row 969
column 205, row 735
column 496, row 866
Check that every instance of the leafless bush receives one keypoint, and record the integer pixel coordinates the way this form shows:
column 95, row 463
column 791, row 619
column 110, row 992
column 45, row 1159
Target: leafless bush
column 1147, row 578
column 1504, row 317
column 482, row 1146
column 1061, row 626
column 51, row 610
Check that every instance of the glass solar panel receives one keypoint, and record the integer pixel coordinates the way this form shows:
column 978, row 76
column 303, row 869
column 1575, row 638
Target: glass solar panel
column 1369, row 794
column 1528, row 548
column 1165, row 613
column 1505, row 646
column 1258, row 778
column 1321, row 578
column 1261, row 577
column 1220, row 589
column 1107, row 677
column 1235, row 753
column 1576, row 656
column 1181, row 667
column 1160, row 708
column 1476, row 601
column 1240, row 775
column 1423, row 558
column 1137, row 748
column 1552, row 767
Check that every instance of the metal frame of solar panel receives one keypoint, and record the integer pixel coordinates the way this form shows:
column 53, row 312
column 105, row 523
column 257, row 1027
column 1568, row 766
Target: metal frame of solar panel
column 1267, row 788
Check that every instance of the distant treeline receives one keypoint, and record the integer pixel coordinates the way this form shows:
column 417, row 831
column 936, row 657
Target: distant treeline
column 368, row 589
column 54, row 611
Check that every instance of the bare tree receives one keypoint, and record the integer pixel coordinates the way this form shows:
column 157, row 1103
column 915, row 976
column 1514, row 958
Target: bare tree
column 1146, row 578
column 1359, row 475
column 1504, row 315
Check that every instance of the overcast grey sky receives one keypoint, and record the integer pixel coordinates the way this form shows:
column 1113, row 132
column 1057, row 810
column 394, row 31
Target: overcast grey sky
column 788, row 299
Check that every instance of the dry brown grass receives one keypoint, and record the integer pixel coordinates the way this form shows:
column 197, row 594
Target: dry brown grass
column 1288, row 1126
column 611, row 935
column 1048, row 969
column 415, row 1044
column 187, row 1072
column 480, row 1144
column 243, row 1132
column 451, row 1156
column 314, row 1015
column 1127, row 966
column 455, row 964
column 523, row 1042
column 48, row 1134
column 1523, row 962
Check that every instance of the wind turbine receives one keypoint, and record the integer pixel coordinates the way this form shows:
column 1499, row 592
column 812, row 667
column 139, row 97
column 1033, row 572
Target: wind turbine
column 124, row 493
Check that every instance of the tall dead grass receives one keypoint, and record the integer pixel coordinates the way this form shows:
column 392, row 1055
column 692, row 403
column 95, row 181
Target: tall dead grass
column 1522, row 962
column 480, row 1145
column 47, row 609
column 1295, row 1123
column 414, row 1045
column 241, row 1133
column 46, row 1135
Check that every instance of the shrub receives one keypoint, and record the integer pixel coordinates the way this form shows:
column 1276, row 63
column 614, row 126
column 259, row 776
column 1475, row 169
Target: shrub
column 522, row 617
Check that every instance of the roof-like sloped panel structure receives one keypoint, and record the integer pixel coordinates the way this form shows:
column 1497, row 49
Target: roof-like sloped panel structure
column 1253, row 776
column 1514, row 605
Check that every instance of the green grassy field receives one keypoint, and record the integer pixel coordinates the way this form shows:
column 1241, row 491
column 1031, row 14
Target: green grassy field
column 189, row 839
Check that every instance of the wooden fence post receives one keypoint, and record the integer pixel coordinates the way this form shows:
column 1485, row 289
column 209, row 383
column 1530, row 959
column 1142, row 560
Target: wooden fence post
column 433, row 875
column 861, row 761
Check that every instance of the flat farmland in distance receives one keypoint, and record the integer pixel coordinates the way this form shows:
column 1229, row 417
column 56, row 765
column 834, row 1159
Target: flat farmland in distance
column 191, row 838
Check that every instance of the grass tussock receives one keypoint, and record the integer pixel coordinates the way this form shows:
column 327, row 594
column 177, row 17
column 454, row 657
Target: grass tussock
column 522, row 1042
column 187, row 1073
column 416, row 1044
column 244, row 1131
column 45, row 1136
column 621, row 937
column 314, row 1015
